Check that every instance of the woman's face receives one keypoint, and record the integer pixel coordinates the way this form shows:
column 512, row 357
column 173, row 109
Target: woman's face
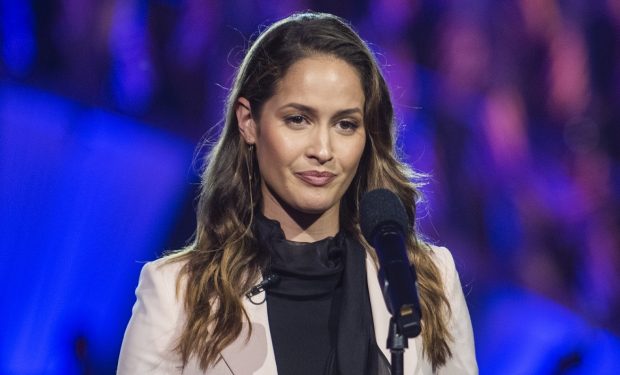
column 310, row 137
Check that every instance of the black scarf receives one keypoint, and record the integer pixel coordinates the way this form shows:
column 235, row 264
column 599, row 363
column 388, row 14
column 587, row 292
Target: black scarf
column 335, row 264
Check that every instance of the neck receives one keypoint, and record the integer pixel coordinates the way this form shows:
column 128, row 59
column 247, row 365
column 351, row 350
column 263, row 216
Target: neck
column 302, row 227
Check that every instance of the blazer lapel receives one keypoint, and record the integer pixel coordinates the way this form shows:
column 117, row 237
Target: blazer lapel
column 381, row 319
column 254, row 355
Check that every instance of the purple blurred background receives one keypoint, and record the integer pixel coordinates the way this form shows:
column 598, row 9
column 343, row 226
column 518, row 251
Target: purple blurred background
column 511, row 107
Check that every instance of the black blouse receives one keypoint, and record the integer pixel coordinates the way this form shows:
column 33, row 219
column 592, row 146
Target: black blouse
column 319, row 311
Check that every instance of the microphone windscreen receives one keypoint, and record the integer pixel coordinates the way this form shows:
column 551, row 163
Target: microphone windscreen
column 380, row 207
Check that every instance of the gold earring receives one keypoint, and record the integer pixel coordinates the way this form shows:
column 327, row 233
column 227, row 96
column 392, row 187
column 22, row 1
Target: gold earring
column 249, row 163
column 250, row 166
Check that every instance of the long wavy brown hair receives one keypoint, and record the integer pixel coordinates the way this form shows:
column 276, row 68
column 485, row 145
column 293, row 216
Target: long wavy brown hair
column 224, row 262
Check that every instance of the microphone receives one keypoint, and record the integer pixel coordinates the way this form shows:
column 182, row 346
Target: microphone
column 269, row 280
column 384, row 223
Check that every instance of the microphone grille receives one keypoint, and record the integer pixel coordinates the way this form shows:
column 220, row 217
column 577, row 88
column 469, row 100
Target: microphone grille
column 379, row 207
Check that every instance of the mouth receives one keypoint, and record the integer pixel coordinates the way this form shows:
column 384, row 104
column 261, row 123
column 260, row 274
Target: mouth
column 316, row 178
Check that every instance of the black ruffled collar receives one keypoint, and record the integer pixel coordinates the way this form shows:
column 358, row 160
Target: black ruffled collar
column 304, row 269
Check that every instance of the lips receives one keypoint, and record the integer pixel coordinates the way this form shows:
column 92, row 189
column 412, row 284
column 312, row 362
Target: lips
column 316, row 178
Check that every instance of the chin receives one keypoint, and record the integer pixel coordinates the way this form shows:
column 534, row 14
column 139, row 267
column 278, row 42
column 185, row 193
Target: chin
column 314, row 207
column 312, row 210
column 303, row 201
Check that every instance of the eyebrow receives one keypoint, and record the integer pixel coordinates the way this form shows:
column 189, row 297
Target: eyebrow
column 313, row 112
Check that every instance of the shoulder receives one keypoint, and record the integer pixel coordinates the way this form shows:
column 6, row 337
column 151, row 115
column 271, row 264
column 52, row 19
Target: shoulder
column 438, row 253
column 165, row 268
column 162, row 276
column 442, row 257
column 160, row 291
column 463, row 359
column 156, row 321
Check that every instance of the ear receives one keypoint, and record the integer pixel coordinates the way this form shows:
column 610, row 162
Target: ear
column 247, row 126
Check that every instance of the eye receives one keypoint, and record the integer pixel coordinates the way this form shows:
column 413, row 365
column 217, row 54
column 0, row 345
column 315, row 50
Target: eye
column 347, row 126
column 295, row 120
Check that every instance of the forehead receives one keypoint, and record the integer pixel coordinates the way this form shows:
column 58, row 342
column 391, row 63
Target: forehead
column 321, row 79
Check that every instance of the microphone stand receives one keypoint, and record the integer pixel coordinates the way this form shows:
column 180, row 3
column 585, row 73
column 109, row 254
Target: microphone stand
column 404, row 325
column 397, row 343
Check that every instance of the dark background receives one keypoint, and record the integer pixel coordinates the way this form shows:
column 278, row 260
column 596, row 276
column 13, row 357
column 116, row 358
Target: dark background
column 511, row 107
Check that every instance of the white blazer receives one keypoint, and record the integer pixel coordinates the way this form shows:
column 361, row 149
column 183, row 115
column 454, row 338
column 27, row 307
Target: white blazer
column 158, row 317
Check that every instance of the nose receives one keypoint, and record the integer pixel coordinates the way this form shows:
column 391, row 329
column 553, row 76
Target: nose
column 320, row 145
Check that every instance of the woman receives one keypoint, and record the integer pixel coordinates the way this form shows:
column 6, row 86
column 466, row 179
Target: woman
column 308, row 131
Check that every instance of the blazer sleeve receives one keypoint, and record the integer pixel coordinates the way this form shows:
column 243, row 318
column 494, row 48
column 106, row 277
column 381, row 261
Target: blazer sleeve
column 463, row 359
column 153, row 329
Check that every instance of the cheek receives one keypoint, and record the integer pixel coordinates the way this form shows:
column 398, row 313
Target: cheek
column 354, row 156
column 354, row 160
column 269, row 160
column 275, row 151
